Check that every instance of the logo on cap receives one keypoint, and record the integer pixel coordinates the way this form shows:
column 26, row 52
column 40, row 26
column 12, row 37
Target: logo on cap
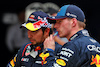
column 42, row 22
column 31, row 18
column 68, row 14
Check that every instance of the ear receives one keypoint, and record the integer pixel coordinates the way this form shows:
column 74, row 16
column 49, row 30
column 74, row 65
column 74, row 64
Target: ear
column 46, row 32
column 74, row 22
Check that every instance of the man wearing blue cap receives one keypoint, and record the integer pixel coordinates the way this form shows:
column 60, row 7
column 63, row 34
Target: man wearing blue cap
column 31, row 54
column 81, row 50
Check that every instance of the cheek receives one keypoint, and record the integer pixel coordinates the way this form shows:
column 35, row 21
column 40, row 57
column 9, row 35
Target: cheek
column 39, row 37
column 65, row 28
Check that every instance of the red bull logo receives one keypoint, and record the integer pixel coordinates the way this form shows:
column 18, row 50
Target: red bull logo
column 41, row 22
column 95, row 60
column 35, row 26
column 44, row 56
column 38, row 24
column 37, row 48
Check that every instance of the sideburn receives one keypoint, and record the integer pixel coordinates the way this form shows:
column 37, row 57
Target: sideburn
column 43, row 29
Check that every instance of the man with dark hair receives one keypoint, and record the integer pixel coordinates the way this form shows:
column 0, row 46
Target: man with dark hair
column 31, row 54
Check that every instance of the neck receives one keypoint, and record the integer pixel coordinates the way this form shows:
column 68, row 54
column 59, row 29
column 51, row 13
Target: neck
column 73, row 32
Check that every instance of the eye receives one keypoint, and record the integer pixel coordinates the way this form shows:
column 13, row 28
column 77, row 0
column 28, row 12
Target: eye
column 59, row 21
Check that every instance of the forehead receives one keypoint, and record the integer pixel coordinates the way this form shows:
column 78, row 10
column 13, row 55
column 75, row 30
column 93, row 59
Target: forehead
column 59, row 20
column 65, row 19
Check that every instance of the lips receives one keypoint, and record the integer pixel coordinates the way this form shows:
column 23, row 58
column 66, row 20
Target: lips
column 58, row 32
column 32, row 40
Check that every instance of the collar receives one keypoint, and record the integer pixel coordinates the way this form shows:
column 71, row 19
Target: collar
column 36, row 48
column 33, row 50
column 80, row 33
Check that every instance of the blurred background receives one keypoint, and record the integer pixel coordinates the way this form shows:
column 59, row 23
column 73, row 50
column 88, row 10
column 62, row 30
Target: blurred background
column 13, row 13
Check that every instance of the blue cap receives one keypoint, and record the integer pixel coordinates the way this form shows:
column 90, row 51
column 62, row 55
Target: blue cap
column 70, row 11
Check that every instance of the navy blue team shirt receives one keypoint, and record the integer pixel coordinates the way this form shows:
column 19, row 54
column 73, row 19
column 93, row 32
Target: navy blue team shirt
column 31, row 56
column 80, row 51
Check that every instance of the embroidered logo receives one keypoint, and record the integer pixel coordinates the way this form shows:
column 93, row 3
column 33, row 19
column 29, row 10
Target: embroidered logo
column 37, row 48
column 44, row 56
column 13, row 61
column 27, row 53
column 93, row 48
column 61, row 62
column 95, row 60
column 25, row 59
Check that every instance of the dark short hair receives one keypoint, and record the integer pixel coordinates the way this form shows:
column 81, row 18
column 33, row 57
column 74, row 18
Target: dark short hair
column 43, row 29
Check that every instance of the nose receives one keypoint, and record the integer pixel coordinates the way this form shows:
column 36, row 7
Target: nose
column 55, row 25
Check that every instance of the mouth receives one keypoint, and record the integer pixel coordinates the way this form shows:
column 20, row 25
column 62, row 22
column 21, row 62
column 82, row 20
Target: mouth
column 32, row 40
column 58, row 32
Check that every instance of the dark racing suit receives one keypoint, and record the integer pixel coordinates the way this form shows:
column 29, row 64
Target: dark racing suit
column 80, row 51
column 30, row 56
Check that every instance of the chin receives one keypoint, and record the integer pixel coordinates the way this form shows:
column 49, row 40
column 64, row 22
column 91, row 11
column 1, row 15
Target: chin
column 33, row 43
column 61, row 36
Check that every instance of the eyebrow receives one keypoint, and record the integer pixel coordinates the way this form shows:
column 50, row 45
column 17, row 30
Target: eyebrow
column 36, row 30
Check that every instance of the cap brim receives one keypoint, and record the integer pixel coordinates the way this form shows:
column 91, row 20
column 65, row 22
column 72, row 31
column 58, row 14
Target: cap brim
column 30, row 26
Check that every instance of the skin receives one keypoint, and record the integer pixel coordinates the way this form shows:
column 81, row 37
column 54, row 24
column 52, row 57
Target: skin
column 63, row 27
column 56, row 38
column 66, row 27
column 38, row 37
